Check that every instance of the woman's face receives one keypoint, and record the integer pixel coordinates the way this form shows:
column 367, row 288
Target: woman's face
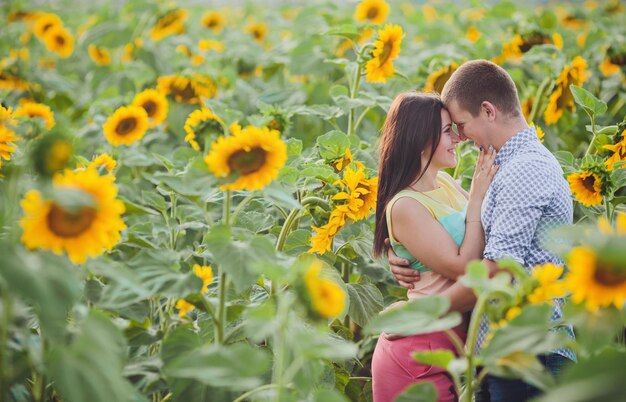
column 445, row 153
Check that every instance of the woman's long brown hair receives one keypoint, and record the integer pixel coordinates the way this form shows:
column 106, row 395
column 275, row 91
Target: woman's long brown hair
column 413, row 124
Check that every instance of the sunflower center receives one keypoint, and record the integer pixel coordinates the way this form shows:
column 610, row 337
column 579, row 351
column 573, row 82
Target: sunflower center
column 126, row 126
column 589, row 182
column 257, row 34
column 384, row 55
column 372, row 13
column 609, row 276
column 185, row 93
column 212, row 23
column 70, row 224
column 60, row 40
column 246, row 162
column 150, row 107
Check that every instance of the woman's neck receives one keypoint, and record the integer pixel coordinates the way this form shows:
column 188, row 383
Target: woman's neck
column 428, row 181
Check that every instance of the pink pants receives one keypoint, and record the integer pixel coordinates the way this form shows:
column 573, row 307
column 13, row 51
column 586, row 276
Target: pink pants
column 393, row 368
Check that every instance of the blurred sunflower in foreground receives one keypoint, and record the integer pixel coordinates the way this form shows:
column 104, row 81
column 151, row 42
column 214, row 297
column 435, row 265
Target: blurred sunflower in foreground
column 84, row 219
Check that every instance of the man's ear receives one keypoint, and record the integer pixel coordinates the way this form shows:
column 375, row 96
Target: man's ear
column 489, row 110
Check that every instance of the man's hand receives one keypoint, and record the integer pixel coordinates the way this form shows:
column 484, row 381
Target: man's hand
column 399, row 268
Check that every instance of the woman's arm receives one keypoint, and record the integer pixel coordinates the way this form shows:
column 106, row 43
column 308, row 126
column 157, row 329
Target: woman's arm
column 430, row 243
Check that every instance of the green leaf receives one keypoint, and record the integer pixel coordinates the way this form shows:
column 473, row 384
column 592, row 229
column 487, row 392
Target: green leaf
column 418, row 316
column 548, row 20
column 89, row 368
column 565, row 158
column 328, row 395
column 261, row 321
column 524, row 366
column 348, row 31
column 419, row 392
column 366, row 302
column 155, row 200
column 333, row 145
column 440, row 358
column 46, row 282
column 618, row 178
column 528, row 333
column 238, row 366
column 599, row 378
column 592, row 105
column 240, row 259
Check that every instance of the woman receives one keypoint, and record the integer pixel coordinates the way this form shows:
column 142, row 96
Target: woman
column 431, row 221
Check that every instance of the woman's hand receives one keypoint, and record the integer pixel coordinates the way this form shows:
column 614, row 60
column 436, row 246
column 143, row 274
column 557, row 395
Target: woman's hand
column 486, row 169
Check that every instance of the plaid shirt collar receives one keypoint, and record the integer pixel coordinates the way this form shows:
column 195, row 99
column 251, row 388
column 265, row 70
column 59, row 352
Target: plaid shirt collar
column 510, row 148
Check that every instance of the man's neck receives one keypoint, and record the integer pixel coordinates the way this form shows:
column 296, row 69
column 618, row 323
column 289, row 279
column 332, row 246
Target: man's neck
column 508, row 130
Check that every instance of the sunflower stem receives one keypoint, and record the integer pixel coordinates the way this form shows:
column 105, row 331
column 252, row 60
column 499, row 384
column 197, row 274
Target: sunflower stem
column 353, row 93
column 4, row 336
column 548, row 82
column 593, row 131
column 472, row 334
column 346, row 270
column 221, row 310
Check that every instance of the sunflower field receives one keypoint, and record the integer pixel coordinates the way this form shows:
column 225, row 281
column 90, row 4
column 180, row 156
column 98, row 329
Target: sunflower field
column 187, row 196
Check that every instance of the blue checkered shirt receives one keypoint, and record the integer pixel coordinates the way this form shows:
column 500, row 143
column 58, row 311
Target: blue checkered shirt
column 527, row 198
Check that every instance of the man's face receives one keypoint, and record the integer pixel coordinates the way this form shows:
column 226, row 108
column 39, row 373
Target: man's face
column 468, row 126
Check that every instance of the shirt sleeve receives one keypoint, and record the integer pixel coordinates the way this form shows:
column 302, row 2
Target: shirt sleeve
column 525, row 190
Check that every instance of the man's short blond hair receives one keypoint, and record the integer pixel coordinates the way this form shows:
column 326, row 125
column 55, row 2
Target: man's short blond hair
column 477, row 81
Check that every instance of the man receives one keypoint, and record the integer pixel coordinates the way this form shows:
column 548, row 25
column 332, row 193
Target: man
column 527, row 197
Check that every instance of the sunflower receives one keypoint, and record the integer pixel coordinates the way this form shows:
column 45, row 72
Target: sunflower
column 52, row 154
column 586, row 187
column 81, row 231
column 594, row 281
column 211, row 44
column 372, row 11
column 328, row 299
column 213, row 20
column 619, row 152
column 206, row 274
column 472, row 34
column 36, row 110
column 581, row 38
column 608, row 68
column 202, row 121
column 187, row 90
column 100, row 55
column 547, row 277
column 510, row 50
column 539, row 131
column 43, row 23
column 252, row 157
column 12, row 82
column 25, row 16
column 387, row 48
column 103, row 160
column 359, row 198
column 60, row 41
column 437, row 79
column 171, row 23
column 258, row 30
column 7, row 143
column 527, row 106
column 126, row 125
column 429, row 12
column 155, row 105
column 364, row 35
column 562, row 98
column 343, row 162
column 184, row 307
column 322, row 240
column 606, row 228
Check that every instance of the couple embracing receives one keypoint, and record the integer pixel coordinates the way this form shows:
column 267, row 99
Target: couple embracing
column 434, row 227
